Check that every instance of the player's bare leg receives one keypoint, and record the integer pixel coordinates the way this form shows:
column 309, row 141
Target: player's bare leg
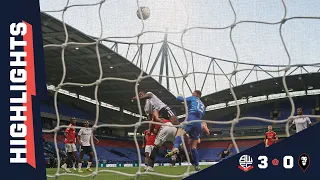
column 146, row 159
column 68, row 161
column 152, row 157
column 80, row 162
column 74, row 160
column 90, row 162
column 150, row 165
column 178, row 140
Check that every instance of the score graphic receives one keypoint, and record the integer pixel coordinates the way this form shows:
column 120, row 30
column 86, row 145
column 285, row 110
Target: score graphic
column 246, row 162
column 287, row 162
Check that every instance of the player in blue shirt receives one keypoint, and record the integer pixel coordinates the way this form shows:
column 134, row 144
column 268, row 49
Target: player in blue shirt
column 196, row 110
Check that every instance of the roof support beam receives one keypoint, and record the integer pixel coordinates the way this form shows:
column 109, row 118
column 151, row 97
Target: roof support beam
column 122, row 91
column 77, row 57
column 53, row 35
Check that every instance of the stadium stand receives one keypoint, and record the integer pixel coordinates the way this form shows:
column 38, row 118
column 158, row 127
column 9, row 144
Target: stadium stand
column 264, row 110
column 119, row 149
column 65, row 109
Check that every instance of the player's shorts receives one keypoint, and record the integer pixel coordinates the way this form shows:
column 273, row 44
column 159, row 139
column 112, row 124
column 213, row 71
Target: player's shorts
column 70, row 147
column 193, row 129
column 166, row 133
column 148, row 149
column 86, row 149
column 166, row 112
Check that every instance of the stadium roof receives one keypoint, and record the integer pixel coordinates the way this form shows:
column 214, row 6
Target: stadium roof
column 82, row 67
column 301, row 82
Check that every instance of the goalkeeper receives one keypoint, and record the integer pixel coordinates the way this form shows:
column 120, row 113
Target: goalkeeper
column 196, row 110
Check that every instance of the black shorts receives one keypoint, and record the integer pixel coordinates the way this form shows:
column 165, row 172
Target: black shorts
column 86, row 149
column 166, row 113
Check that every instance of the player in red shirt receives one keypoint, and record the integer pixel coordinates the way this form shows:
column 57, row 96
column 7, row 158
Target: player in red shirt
column 271, row 137
column 163, row 134
column 71, row 149
column 149, row 138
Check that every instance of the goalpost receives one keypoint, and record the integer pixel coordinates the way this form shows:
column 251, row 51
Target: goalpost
column 188, row 72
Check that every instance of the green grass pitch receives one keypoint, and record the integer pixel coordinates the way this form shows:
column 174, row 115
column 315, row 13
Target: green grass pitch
column 178, row 170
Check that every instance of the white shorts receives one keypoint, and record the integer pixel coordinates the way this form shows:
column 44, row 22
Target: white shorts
column 148, row 149
column 71, row 148
column 174, row 157
column 166, row 133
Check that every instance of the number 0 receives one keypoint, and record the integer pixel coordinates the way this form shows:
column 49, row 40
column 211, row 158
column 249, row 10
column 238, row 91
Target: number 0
column 288, row 162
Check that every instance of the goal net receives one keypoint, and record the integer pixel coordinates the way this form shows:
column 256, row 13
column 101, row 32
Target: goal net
column 218, row 44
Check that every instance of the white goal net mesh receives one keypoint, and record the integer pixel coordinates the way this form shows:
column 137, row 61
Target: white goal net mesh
column 188, row 72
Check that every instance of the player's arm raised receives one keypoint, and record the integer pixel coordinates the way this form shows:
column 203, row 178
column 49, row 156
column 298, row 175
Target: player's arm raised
column 146, row 96
column 180, row 98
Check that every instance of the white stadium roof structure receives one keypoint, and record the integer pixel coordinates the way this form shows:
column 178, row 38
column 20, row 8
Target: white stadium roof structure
column 209, row 61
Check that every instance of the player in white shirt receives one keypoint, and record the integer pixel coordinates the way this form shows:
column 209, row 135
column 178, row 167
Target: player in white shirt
column 300, row 122
column 148, row 109
column 84, row 138
column 163, row 110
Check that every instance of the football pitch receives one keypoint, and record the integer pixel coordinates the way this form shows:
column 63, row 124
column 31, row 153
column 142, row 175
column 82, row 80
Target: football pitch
column 178, row 170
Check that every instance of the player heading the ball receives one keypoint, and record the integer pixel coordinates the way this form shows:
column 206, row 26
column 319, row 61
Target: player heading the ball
column 196, row 111
column 164, row 110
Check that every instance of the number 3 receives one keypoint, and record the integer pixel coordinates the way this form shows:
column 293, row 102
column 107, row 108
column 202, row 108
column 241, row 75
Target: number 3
column 200, row 106
column 263, row 162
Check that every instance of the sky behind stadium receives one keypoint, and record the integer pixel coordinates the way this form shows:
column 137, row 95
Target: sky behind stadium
column 255, row 43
